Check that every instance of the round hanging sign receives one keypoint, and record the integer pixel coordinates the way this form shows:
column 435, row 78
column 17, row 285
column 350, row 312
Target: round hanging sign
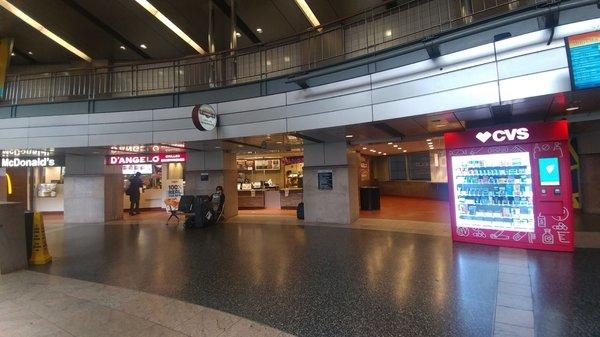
column 204, row 117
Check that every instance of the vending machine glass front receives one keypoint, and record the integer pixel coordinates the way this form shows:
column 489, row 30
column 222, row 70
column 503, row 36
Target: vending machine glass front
column 493, row 191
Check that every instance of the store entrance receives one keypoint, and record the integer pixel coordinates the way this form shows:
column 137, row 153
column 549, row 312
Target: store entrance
column 269, row 183
column 410, row 178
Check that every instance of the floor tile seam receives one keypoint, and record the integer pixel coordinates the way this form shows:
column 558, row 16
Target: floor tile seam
column 232, row 325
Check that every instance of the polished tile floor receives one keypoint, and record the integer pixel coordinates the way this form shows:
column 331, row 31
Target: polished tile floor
column 311, row 280
column 38, row 304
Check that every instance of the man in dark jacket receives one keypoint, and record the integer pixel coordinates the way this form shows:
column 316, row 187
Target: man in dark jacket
column 135, row 183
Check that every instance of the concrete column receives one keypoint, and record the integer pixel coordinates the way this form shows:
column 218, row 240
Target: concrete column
column 341, row 203
column 93, row 192
column 589, row 175
column 220, row 169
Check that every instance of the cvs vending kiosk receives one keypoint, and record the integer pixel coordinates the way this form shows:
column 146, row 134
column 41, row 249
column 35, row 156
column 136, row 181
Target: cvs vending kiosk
column 511, row 186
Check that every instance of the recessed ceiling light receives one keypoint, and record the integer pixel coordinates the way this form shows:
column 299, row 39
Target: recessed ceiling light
column 122, row 47
column 372, row 150
column 429, row 140
column 240, row 145
column 268, row 62
column 259, row 30
column 30, row 52
column 388, row 33
column 385, row 154
column 217, row 147
column 404, row 151
column 286, row 58
column 143, row 46
column 441, row 125
column 12, row 54
column 364, row 148
column 395, row 145
column 378, row 152
column 238, row 34
column 30, row 21
column 349, row 136
column 390, row 143
column 573, row 108
column 173, row 27
column 279, row 142
column 249, row 152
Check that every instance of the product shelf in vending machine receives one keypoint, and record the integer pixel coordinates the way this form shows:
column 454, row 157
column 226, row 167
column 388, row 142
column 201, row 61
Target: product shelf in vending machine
column 510, row 186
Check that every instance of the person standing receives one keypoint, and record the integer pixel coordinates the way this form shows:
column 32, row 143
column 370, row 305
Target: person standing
column 135, row 183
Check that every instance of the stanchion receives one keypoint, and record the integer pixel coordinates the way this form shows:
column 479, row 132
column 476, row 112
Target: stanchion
column 39, row 250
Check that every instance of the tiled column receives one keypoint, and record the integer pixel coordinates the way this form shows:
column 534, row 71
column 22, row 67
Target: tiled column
column 220, row 169
column 341, row 203
column 93, row 192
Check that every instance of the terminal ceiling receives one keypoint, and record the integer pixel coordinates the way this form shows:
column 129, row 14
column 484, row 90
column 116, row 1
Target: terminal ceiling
column 87, row 24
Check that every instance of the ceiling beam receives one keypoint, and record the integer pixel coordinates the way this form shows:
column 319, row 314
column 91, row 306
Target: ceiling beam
column 224, row 7
column 106, row 28
column 24, row 55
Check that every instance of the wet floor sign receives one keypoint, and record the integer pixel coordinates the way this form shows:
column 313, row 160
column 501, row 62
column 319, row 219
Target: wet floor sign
column 39, row 247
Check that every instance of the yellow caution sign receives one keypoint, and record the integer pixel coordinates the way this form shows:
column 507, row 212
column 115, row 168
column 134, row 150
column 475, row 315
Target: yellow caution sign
column 39, row 247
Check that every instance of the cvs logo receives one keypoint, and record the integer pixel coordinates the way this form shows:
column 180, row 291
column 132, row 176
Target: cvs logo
column 502, row 135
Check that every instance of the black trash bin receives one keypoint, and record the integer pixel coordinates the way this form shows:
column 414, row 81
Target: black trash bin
column 369, row 198
column 28, row 231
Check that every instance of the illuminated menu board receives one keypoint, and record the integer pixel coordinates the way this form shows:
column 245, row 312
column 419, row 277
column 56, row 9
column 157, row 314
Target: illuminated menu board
column 583, row 52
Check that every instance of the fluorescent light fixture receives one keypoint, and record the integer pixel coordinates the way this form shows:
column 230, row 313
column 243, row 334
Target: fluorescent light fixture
column 349, row 136
column 573, row 108
column 308, row 12
column 173, row 27
column 286, row 58
column 388, row 33
column 268, row 62
column 259, row 30
column 30, row 21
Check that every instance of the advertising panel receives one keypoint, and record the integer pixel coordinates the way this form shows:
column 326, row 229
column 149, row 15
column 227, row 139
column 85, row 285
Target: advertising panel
column 510, row 186
column 583, row 53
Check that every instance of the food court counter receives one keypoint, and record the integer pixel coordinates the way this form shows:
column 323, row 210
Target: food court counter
column 269, row 198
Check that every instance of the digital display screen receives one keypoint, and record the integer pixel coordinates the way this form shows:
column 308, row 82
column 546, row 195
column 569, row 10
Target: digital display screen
column 493, row 191
column 583, row 52
column 549, row 171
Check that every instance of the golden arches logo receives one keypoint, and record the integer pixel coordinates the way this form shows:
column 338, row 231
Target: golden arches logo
column 9, row 184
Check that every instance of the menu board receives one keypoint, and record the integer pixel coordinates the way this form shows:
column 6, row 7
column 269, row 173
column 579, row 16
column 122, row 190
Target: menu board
column 583, row 52
column 245, row 165
column 267, row 164
column 493, row 191
column 419, row 166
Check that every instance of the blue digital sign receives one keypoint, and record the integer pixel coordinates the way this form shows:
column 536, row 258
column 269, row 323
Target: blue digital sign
column 583, row 52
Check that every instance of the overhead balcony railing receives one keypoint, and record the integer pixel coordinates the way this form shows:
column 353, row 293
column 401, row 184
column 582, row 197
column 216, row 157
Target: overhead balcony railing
column 371, row 31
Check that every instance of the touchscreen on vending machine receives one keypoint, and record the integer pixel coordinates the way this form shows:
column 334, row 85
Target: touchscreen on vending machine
column 549, row 171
